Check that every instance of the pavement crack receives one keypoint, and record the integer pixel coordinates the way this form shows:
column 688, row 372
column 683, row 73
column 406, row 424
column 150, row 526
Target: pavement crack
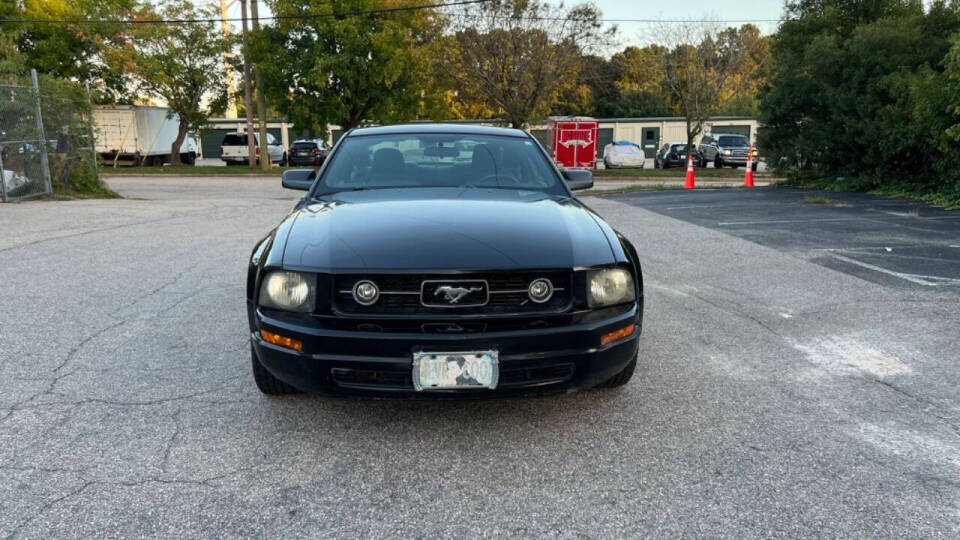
column 928, row 407
column 57, row 376
column 47, row 506
column 737, row 312
column 174, row 439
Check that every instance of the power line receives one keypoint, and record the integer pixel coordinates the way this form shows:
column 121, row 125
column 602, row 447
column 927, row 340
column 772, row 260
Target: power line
column 334, row 14
column 361, row 12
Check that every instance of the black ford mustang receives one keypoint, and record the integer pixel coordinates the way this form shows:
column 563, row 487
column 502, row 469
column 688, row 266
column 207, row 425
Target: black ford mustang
column 440, row 259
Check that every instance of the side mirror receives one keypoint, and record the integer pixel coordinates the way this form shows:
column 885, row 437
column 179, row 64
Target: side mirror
column 578, row 179
column 300, row 179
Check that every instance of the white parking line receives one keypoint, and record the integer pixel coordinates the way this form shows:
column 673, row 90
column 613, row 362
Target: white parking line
column 929, row 281
column 775, row 222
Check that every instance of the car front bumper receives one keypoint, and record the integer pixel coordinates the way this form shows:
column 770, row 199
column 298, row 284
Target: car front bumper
column 305, row 160
column 561, row 358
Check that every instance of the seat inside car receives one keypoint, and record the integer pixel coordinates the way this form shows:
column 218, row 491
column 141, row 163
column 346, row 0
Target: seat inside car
column 483, row 164
column 388, row 168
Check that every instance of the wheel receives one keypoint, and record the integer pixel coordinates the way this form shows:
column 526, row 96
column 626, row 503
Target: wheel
column 656, row 164
column 754, row 167
column 621, row 378
column 718, row 163
column 188, row 158
column 703, row 163
column 283, row 160
column 266, row 382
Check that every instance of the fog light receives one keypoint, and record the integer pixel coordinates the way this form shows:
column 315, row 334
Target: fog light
column 540, row 290
column 616, row 335
column 281, row 341
column 366, row 293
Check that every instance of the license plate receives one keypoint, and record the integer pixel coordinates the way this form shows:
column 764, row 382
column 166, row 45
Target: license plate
column 455, row 370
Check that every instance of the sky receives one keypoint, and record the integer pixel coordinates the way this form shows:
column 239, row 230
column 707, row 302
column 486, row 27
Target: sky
column 633, row 33
column 650, row 9
column 638, row 33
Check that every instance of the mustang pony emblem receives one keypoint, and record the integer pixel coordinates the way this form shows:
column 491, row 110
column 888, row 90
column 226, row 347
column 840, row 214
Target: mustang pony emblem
column 454, row 294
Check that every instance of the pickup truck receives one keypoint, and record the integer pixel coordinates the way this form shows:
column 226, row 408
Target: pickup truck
column 233, row 149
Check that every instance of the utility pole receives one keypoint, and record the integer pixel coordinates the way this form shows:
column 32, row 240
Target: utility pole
column 247, row 96
column 261, row 100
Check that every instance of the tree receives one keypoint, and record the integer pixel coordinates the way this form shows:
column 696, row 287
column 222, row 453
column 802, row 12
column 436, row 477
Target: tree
column 639, row 83
column 521, row 55
column 178, row 63
column 863, row 91
column 701, row 77
column 349, row 69
column 68, row 50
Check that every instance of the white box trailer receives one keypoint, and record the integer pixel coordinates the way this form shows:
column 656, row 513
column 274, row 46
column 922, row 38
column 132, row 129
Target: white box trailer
column 140, row 135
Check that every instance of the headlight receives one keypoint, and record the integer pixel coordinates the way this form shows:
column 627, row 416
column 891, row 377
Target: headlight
column 610, row 286
column 287, row 290
column 726, row 152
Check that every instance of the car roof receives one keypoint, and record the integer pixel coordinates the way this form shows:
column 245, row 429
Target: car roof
column 425, row 127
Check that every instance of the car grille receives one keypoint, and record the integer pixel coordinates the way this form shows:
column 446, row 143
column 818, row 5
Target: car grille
column 403, row 380
column 740, row 152
column 400, row 294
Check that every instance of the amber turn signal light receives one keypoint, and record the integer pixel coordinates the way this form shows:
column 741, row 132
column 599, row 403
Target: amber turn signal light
column 610, row 337
column 281, row 341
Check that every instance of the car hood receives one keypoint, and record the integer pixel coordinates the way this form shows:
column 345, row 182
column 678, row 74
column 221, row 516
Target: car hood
column 444, row 229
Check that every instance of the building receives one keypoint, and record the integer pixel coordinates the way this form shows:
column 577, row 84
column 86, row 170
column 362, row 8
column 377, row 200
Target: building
column 652, row 133
column 649, row 133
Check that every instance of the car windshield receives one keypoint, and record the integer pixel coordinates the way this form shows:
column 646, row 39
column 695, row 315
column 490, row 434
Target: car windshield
column 439, row 160
column 733, row 140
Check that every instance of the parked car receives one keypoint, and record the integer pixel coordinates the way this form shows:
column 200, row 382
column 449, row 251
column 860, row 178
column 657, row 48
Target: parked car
column 406, row 270
column 234, row 151
column 308, row 152
column 723, row 149
column 674, row 154
column 623, row 154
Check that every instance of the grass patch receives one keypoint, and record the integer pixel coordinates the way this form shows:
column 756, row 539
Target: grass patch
column 675, row 173
column 819, row 200
column 943, row 195
column 105, row 193
column 202, row 170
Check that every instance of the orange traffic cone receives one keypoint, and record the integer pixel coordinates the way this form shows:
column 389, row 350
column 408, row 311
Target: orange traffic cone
column 748, row 179
column 689, row 183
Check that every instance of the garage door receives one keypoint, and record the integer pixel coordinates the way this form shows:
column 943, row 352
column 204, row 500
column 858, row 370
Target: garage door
column 210, row 140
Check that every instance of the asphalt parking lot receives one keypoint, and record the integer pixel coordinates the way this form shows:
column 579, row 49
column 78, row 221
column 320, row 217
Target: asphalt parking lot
column 798, row 377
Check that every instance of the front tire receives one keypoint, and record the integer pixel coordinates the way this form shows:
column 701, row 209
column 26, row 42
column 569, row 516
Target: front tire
column 718, row 163
column 266, row 382
column 284, row 161
column 621, row 378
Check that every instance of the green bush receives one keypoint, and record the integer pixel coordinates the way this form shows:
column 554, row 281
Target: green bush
column 866, row 92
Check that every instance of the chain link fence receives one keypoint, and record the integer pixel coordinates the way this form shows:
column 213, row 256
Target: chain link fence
column 46, row 140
